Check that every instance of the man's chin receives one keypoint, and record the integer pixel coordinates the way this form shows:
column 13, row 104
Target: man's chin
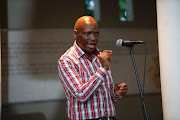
column 89, row 51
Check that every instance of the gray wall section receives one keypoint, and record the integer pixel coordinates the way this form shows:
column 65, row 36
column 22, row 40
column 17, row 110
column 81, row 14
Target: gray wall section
column 29, row 14
column 35, row 14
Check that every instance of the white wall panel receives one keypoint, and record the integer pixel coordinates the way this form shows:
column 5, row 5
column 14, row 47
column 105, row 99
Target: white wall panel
column 33, row 56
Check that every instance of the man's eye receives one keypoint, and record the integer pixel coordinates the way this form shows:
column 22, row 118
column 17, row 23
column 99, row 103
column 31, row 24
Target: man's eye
column 96, row 33
column 87, row 33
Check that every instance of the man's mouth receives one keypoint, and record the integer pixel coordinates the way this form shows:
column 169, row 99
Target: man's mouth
column 92, row 46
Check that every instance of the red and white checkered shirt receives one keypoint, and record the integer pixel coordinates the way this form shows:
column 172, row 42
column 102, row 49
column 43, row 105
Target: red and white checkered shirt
column 88, row 86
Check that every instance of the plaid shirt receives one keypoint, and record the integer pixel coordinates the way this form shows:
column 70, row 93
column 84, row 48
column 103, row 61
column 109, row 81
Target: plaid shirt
column 88, row 86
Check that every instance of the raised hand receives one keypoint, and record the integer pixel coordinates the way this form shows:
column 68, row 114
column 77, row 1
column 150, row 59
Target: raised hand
column 120, row 89
column 105, row 57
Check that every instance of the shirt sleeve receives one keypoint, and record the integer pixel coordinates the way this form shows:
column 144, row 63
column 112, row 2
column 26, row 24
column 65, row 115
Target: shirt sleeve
column 115, row 98
column 72, row 81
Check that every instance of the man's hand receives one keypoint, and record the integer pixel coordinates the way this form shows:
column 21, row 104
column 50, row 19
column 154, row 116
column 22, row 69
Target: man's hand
column 105, row 57
column 120, row 89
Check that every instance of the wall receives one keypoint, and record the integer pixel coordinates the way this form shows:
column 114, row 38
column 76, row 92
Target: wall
column 35, row 33
column 38, row 32
column 45, row 14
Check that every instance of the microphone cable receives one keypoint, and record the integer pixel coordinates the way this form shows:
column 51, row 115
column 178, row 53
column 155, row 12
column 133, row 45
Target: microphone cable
column 144, row 66
column 144, row 77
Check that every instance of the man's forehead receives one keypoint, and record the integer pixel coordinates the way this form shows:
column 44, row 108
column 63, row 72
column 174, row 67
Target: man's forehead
column 89, row 27
column 84, row 21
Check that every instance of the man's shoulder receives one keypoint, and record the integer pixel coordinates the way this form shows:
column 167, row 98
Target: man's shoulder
column 69, row 54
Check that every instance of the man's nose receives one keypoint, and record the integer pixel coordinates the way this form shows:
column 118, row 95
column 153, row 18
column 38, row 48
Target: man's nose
column 93, row 37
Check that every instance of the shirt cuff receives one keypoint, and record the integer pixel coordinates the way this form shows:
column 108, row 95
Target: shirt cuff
column 101, row 73
column 116, row 97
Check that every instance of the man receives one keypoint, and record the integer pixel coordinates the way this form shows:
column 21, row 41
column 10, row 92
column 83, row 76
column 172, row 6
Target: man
column 85, row 75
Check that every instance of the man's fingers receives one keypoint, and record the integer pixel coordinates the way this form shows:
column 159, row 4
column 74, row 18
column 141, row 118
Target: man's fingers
column 123, row 88
column 107, row 55
column 108, row 51
column 122, row 85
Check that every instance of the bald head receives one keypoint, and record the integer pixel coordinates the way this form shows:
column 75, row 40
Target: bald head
column 86, row 34
column 83, row 21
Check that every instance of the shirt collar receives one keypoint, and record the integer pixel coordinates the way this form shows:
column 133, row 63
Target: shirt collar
column 80, row 52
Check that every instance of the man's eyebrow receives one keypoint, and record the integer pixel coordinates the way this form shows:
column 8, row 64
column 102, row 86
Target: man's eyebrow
column 87, row 32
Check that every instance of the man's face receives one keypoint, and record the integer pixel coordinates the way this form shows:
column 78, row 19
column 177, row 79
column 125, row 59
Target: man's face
column 87, row 37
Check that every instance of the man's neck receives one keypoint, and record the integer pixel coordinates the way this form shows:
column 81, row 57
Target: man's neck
column 89, row 55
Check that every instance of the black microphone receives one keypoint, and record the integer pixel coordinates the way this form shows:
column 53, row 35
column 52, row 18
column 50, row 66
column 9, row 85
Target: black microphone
column 127, row 43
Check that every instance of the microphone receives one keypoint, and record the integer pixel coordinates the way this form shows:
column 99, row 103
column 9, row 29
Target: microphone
column 127, row 43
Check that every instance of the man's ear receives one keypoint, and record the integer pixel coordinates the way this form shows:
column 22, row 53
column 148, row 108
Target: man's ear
column 75, row 34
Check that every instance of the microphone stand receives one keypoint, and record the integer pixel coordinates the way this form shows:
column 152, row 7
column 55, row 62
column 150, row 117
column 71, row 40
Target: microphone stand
column 138, row 81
